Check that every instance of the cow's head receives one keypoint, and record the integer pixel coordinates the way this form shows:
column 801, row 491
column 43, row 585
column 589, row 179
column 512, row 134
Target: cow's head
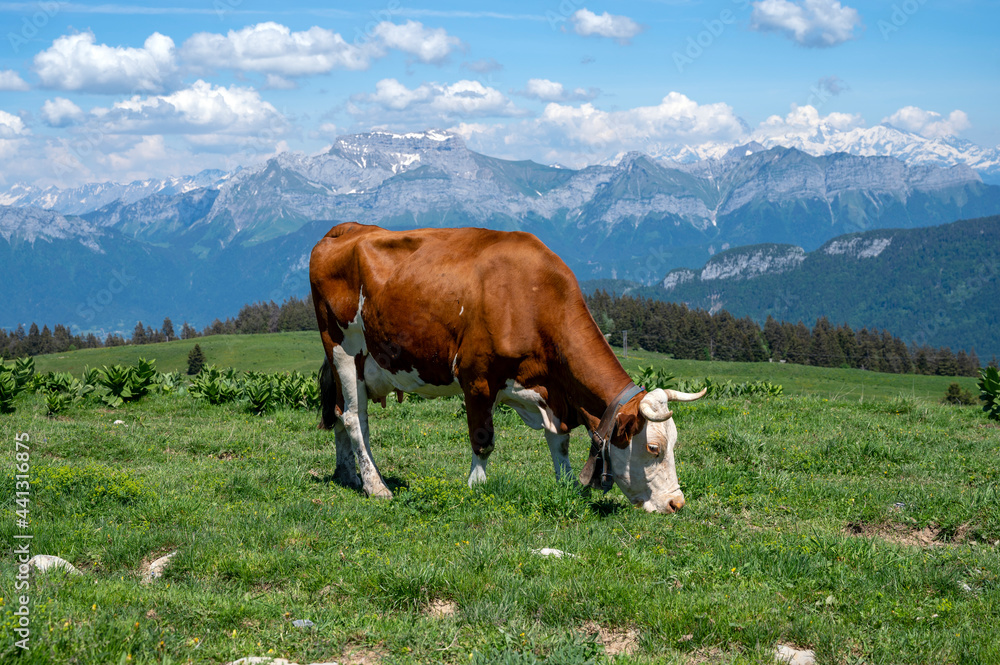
column 645, row 470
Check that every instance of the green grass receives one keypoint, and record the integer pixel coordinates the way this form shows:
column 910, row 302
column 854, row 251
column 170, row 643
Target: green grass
column 277, row 352
column 791, row 534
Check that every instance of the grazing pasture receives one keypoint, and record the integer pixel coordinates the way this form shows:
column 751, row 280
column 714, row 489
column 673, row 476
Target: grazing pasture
column 854, row 515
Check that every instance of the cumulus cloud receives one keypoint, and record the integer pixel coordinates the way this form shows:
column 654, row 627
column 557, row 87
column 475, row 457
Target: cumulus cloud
column 61, row 112
column 928, row 123
column 11, row 80
column 201, row 109
column 433, row 101
column 804, row 121
column 577, row 135
column 77, row 62
column 620, row 28
column 432, row 45
column 814, row 23
column 274, row 48
column 553, row 91
column 11, row 126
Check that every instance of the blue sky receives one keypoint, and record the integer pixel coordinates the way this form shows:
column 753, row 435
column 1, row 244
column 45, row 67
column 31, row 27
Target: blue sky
column 97, row 91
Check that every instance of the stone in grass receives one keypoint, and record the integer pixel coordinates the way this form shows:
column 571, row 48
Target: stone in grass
column 46, row 562
column 303, row 623
column 548, row 551
column 118, row 422
column 157, row 567
column 267, row 660
column 792, row 656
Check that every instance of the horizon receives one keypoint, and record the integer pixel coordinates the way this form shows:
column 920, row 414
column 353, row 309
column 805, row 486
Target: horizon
column 97, row 92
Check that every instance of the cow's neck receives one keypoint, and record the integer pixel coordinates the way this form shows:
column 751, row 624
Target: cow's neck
column 597, row 376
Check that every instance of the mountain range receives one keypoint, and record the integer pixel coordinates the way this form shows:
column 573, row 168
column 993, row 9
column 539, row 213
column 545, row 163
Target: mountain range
column 935, row 285
column 201, row 247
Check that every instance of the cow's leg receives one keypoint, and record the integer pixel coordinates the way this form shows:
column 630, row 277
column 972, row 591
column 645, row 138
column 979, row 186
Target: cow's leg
column 355, row 420
column 559, row 447
column 332, row 401
column 346, row 473
column 479, row 411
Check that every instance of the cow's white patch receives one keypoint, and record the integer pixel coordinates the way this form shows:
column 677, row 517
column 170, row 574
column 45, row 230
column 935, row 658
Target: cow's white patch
column 646, row 480
column 477, row 475
column 530, row 406
column 461, row 311
column 354, row 334
column 381, row 382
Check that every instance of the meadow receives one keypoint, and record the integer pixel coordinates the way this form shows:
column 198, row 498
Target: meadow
column 853, row 515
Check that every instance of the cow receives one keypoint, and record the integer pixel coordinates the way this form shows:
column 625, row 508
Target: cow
column 495, row 317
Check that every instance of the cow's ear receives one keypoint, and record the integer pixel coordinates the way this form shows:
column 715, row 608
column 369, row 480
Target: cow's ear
column 629, row 422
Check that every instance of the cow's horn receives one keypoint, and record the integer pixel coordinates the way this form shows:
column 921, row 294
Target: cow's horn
column 654, row 406
column 678, row 396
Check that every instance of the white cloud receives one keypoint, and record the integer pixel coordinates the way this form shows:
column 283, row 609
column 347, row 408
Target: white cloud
column 803, row 121
column 577, row 135
column 61, row 112
column 620, row 28
column 427, row 44
column 11, row 126
column 483, row 66
column 272, row 47
column 11, row 80
column 76, row 62
column 432, row 102
column 201, row 109
column 928, row 123
column 816, row 23
column 553, row 91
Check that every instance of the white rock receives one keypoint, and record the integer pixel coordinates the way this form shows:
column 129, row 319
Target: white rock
column 267, row 660
column 792, row 656
column 548, row 551
column 157, row 567
column 118, row 422
column 303, row 623
column 46, row 562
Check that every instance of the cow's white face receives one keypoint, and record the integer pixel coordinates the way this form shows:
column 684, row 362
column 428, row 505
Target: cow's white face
column 645, row 471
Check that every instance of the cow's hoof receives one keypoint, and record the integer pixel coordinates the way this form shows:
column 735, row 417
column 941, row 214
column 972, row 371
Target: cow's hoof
column 380, row 493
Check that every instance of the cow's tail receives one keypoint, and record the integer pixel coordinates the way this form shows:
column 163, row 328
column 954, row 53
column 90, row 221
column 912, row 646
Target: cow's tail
column 327, row 396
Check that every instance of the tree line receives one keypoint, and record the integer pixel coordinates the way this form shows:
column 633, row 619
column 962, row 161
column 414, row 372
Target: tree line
column 696, row 334
column 262, row 317
column 669, row 328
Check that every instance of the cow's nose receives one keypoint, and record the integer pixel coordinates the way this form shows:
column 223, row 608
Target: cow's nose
column 676, row 503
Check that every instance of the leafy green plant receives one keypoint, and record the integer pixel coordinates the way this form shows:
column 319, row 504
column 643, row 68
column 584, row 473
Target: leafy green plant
column 215, row 386
column 260, row 394
column 127, row 383
column 989, row 386
column 169, row 382
column 15, row 379
column 728, row 388
column 651, row 378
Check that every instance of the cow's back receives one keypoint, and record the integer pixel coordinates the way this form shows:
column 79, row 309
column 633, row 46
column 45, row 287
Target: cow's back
column 428, row 292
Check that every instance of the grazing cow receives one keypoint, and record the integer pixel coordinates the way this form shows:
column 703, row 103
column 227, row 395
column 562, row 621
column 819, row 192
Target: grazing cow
column 494, row 316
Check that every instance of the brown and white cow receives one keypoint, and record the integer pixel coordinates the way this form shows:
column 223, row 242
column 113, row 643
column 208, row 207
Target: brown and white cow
column 497, row 317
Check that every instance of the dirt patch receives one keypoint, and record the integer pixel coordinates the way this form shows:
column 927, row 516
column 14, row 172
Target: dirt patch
column 440, row 609
column 616, row 641
column 226, row 456
column 929, row 536
column 362, row 656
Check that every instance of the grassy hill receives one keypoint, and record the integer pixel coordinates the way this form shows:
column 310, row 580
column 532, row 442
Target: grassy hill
column 302, row 351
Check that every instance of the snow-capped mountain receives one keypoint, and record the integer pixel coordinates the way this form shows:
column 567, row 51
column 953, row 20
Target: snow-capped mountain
column 90, row 197
column 247, row 236
column 882, row 140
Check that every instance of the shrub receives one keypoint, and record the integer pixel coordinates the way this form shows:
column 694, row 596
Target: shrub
column 955, row 395
column 196, row 360
column 127, row 384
